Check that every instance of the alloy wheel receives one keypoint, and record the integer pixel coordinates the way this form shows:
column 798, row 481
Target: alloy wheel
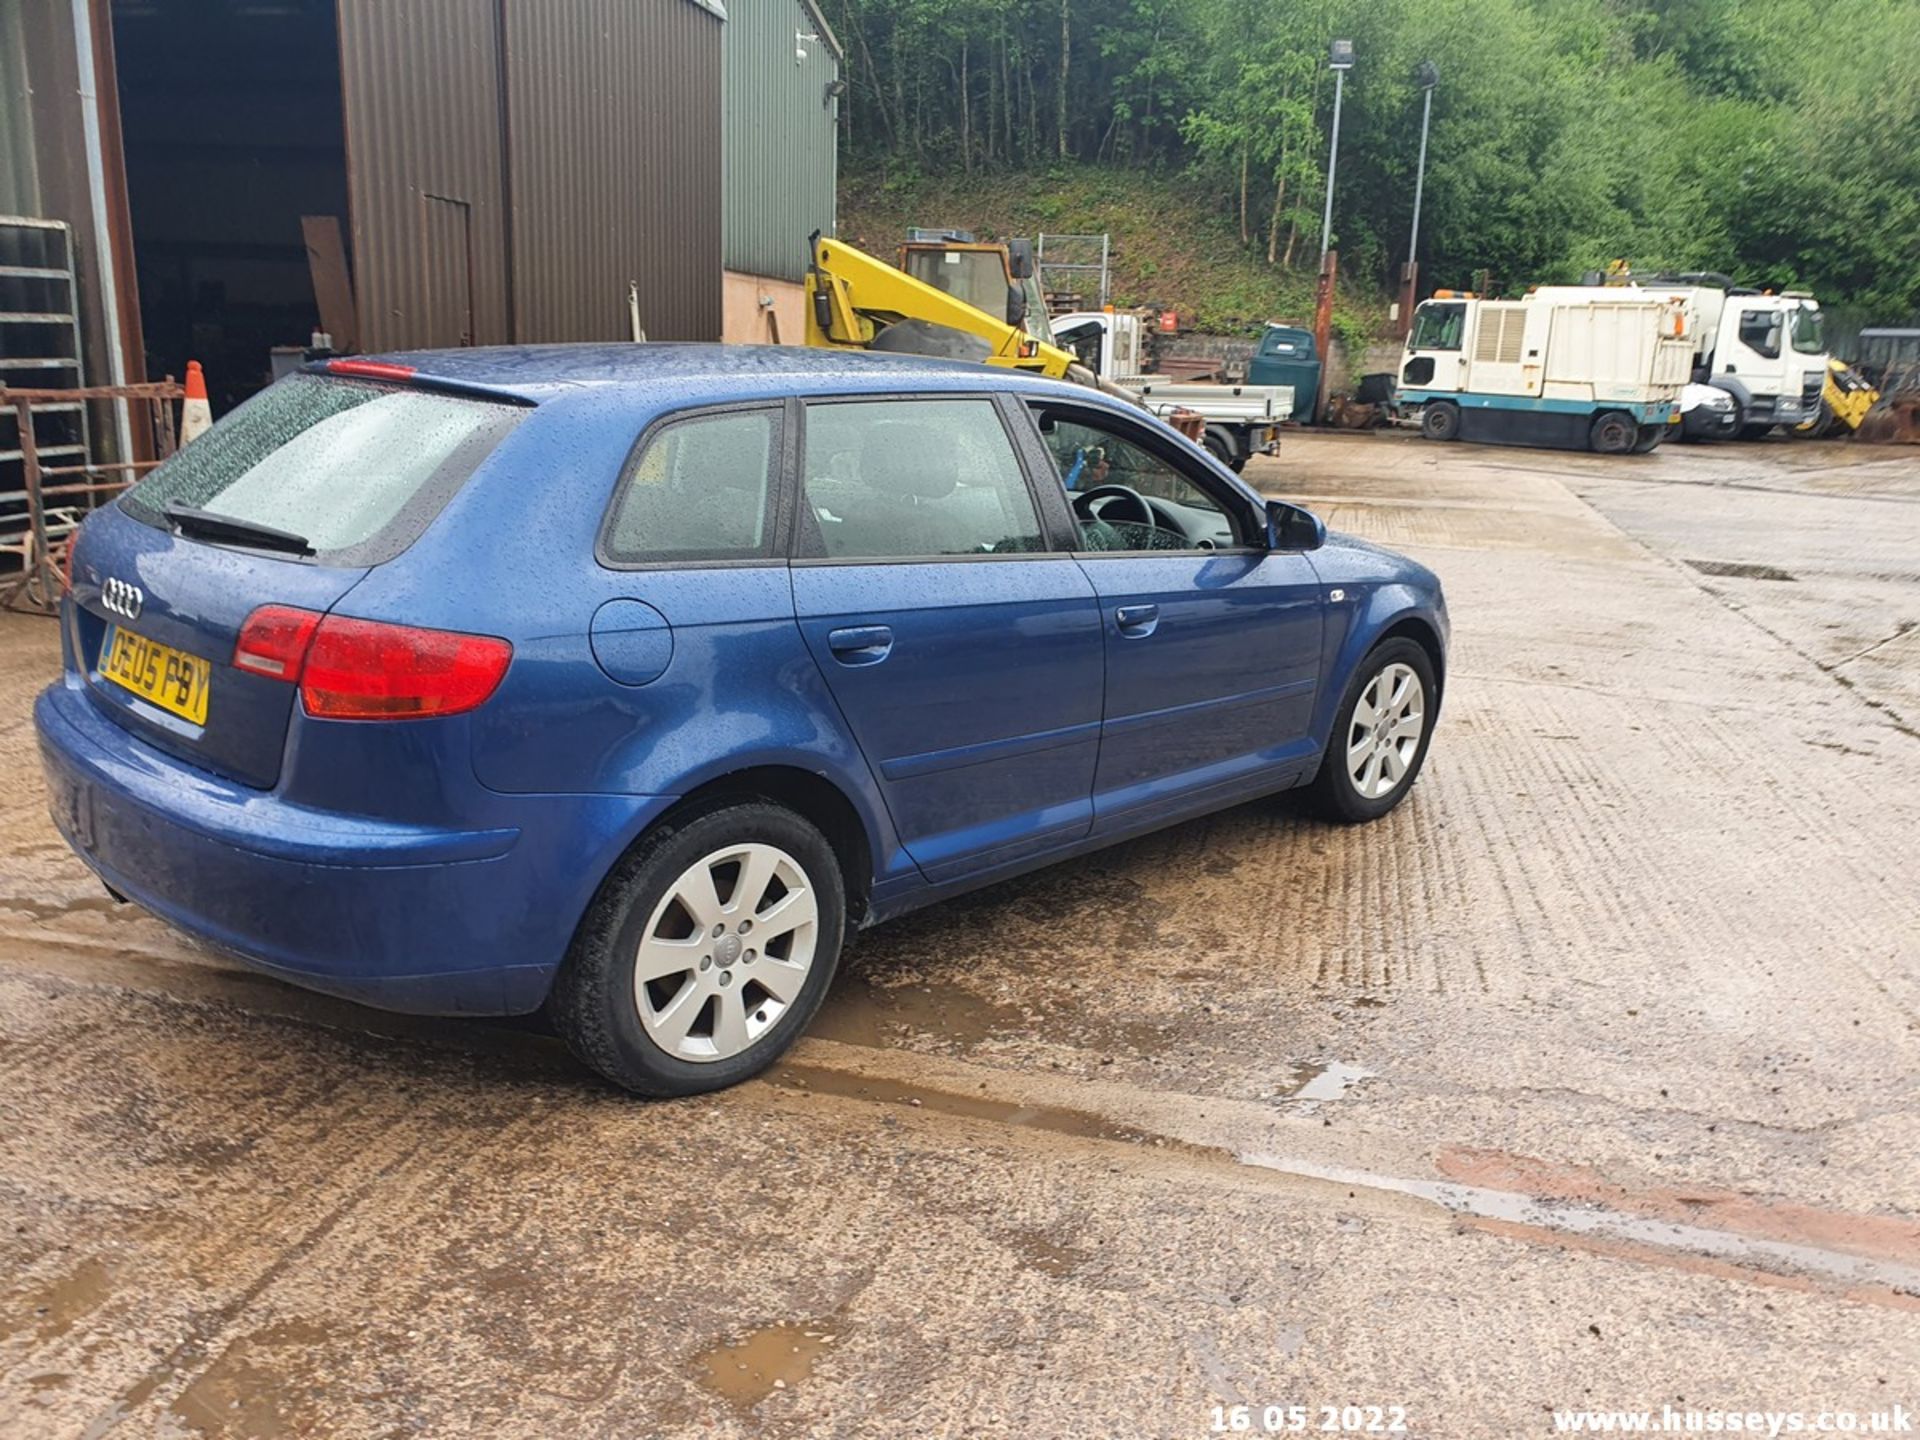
column 726, row 952
column 1384, row 734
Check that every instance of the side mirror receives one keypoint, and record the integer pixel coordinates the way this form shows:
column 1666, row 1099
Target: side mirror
column 1016, row 306
column 1020, row 258
column 1291, row 528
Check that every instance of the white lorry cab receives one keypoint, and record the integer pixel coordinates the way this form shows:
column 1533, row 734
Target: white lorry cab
column 1242, row 420
column 1769, row 352
column 1568, row 365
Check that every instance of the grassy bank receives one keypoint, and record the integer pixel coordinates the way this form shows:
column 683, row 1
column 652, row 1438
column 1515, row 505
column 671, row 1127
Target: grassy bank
column 1172, row 244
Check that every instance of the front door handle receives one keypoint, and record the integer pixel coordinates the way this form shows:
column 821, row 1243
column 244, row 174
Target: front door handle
column 1137, row 620
column 861, row 644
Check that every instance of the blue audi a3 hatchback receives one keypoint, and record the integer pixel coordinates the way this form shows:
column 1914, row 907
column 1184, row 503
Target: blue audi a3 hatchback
column 624, row 680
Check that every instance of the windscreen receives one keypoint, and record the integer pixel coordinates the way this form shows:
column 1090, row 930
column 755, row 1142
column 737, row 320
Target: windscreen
column 974, row 277
column 1437, row 327
column 357, row 470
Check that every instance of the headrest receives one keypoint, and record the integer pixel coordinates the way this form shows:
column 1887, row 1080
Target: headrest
column 909, row 461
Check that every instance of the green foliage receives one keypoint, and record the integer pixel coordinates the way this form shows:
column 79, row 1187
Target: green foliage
column 1778, row 140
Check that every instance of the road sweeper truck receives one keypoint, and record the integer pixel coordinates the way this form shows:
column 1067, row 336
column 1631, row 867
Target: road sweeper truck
column 1567, row 365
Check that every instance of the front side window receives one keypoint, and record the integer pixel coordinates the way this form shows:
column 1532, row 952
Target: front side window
column 356, row 470
column 1127, row 497
column 1760, row 332
column 699, row 490
column 1807, row 332
column 913, row 479
column 1438, row 326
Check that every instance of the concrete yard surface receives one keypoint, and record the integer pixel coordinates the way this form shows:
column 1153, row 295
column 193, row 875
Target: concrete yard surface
column 1584, row 1081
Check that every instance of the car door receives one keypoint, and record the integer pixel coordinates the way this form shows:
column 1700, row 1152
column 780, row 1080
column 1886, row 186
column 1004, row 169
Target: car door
column 1212, row 641
column 964, row 651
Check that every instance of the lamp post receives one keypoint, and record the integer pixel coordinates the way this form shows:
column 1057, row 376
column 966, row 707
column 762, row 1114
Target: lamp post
column 1339, row 60
column 1426, row 75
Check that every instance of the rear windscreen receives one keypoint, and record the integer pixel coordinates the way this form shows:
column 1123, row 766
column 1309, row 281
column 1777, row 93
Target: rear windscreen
column 358, row 470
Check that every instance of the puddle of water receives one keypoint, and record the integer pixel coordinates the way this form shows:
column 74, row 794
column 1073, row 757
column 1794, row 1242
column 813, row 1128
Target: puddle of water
column 1311, row 1086
column 1512, row 1208
column 1039, row 1251
column 1055, row 1119
column 52, row 1310
column 746, row 1371
column 861, row 1012
column 255, row 1388
column 1740, row 570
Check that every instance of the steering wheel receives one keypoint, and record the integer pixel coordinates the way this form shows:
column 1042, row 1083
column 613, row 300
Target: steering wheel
column 1143, row 512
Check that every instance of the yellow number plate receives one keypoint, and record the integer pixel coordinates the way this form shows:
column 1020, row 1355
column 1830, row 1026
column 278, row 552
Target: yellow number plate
column 158, row 674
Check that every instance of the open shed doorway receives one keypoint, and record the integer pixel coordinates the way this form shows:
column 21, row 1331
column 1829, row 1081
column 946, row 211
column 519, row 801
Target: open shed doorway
column 232, row 129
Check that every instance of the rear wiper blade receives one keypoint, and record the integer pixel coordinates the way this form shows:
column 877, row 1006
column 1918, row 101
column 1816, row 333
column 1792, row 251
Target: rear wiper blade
column 212, row 525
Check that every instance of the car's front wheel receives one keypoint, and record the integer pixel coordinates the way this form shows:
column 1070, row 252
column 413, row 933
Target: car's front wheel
column 706, row 952
column 1440, row 420
column 1379, row 738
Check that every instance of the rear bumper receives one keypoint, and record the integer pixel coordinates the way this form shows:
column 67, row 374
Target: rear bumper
column 404, row 917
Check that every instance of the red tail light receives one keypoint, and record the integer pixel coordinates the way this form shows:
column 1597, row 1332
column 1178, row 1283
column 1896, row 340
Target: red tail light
column 274, row 641
column 370, row 670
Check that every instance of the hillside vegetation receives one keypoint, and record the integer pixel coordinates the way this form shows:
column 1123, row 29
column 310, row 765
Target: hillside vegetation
column 1778, row 140
column 1172, row 243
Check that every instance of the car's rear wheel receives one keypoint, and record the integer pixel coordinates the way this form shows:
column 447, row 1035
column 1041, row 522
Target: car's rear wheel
column 1613, row 433
column 1380, row 734
column 706, row 952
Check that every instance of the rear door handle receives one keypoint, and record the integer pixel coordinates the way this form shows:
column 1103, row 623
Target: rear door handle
column 1136, row 619
column 861, row 644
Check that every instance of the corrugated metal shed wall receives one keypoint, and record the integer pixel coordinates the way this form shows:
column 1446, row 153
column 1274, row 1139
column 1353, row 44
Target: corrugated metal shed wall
column 614, row 144
column 596, row 122
column 421, row 84
column 780, row 135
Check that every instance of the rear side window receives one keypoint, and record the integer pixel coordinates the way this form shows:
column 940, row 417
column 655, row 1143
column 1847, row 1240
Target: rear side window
column 700, row 489
column 913, row 479
column 358, row 470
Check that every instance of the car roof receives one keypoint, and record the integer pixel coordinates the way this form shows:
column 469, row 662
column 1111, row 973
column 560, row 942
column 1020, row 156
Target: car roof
column 665, row 370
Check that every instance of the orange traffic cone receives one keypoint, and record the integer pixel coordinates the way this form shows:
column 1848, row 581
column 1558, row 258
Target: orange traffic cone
column 196, row 416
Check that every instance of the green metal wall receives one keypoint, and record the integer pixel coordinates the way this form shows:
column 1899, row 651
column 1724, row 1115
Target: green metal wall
column 778, row 140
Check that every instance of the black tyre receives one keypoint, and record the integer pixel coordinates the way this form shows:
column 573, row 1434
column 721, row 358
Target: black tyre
column 1440, row 420
column 1755, row 432
column 1613, row 433
column 706, row 952
column 1651, row 437
column 1380, row 734
column 1219, row 449
column 1817, row 428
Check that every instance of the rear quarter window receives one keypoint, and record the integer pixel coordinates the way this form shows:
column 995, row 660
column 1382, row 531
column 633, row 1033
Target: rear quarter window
column 358, row 469
column 700, row 488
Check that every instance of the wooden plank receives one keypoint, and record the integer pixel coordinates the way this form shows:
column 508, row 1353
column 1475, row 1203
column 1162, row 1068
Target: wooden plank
column 332, row 289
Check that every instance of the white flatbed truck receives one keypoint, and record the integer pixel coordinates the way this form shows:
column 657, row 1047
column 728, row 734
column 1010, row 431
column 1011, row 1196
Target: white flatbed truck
column 1241, row 420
